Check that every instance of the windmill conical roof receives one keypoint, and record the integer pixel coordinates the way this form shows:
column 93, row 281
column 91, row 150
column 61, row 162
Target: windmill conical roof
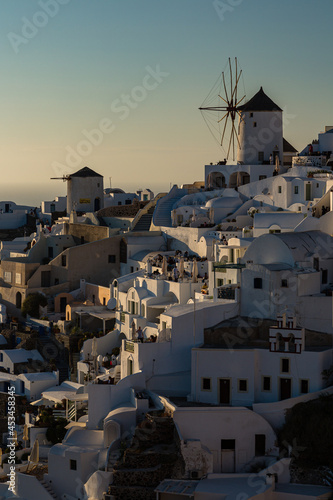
column 86, row 172
column 260, row 102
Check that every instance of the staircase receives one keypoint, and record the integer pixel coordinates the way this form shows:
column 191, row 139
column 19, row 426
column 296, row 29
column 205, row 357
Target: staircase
column 143, row 224
column 48, row 488
column 117, row 375
column 162, row 213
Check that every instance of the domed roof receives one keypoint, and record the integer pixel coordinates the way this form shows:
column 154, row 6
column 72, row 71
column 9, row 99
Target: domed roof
column 224, row 202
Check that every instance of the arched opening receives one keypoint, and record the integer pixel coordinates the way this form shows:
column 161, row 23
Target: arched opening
column 112, row 432
column 97, row 204
column 216, row 180
column 18, row 300
column 239, row 179
column 279, row 342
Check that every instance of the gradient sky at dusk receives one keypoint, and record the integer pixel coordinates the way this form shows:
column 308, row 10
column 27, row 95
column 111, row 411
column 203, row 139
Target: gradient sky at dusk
column 67, row 75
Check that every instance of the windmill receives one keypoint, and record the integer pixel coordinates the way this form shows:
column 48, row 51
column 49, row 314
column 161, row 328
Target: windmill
column 221, row 108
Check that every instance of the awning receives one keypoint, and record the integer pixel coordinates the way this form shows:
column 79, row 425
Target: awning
column 161, row 306
column 42, row 402
column 104, row 315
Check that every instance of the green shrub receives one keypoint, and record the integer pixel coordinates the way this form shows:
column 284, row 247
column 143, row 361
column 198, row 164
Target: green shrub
column 31, row 304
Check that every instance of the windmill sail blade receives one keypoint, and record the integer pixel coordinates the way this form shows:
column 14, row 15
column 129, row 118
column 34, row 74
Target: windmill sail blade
column 223, row 117
column 236, row 86
column 230, row 78
column 223, row 99
column 233, row 141
column 240, row 100
column 229, row 145
column 236, row 135
column 225, row 88
column 237, row 79
column 225, row 125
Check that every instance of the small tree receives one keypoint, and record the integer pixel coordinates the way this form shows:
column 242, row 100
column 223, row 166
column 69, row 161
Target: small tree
column 31, row 304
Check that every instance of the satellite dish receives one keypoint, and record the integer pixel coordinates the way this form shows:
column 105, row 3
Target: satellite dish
column 112, row 304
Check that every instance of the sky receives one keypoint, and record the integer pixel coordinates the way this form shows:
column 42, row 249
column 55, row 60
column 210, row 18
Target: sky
column 116, row 85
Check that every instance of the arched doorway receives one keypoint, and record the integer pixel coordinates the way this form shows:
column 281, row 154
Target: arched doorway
column 97, row 204
column 239, row 179
column 216, row 180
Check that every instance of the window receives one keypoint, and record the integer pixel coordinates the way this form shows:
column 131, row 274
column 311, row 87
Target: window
column 279, row 189
column 104, row 301
column 257, row 283
column 254, row 124
column 262, row 177
column 295, row 189
column 122, row 317
column 123, row 251
column 18, row 278
column 266, row 384
column 315, row 264
column 119, row 202
column 1, row 357
column 251, row 115
column 72, row 464
column 82, row 240
column 299, row 209
column 206, row 384
column 50, row 252
column 52, row 208
column 220, row 282
column 128, row 202
column 56, row 281
column 7, row 276
column 260, row 156
column 242, row 385
column 324, row 276
column 284, row 283
column 228, row 444
column 304, row 386
column 63, row 260
column 132, row 307
column 111, row 259
column 317, row 185
column 285, row 365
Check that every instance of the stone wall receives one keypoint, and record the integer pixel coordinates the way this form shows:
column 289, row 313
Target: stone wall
column 153, row 456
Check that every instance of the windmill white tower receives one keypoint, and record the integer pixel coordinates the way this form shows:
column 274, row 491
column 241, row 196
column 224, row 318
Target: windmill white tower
column 260, row 134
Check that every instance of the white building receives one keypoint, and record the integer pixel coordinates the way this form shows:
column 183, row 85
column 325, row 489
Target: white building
column 290, row 269
column 261, row 374
column 11, row 357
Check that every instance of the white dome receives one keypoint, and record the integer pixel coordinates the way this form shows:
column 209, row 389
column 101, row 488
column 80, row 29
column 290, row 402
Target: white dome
column 224, row 202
